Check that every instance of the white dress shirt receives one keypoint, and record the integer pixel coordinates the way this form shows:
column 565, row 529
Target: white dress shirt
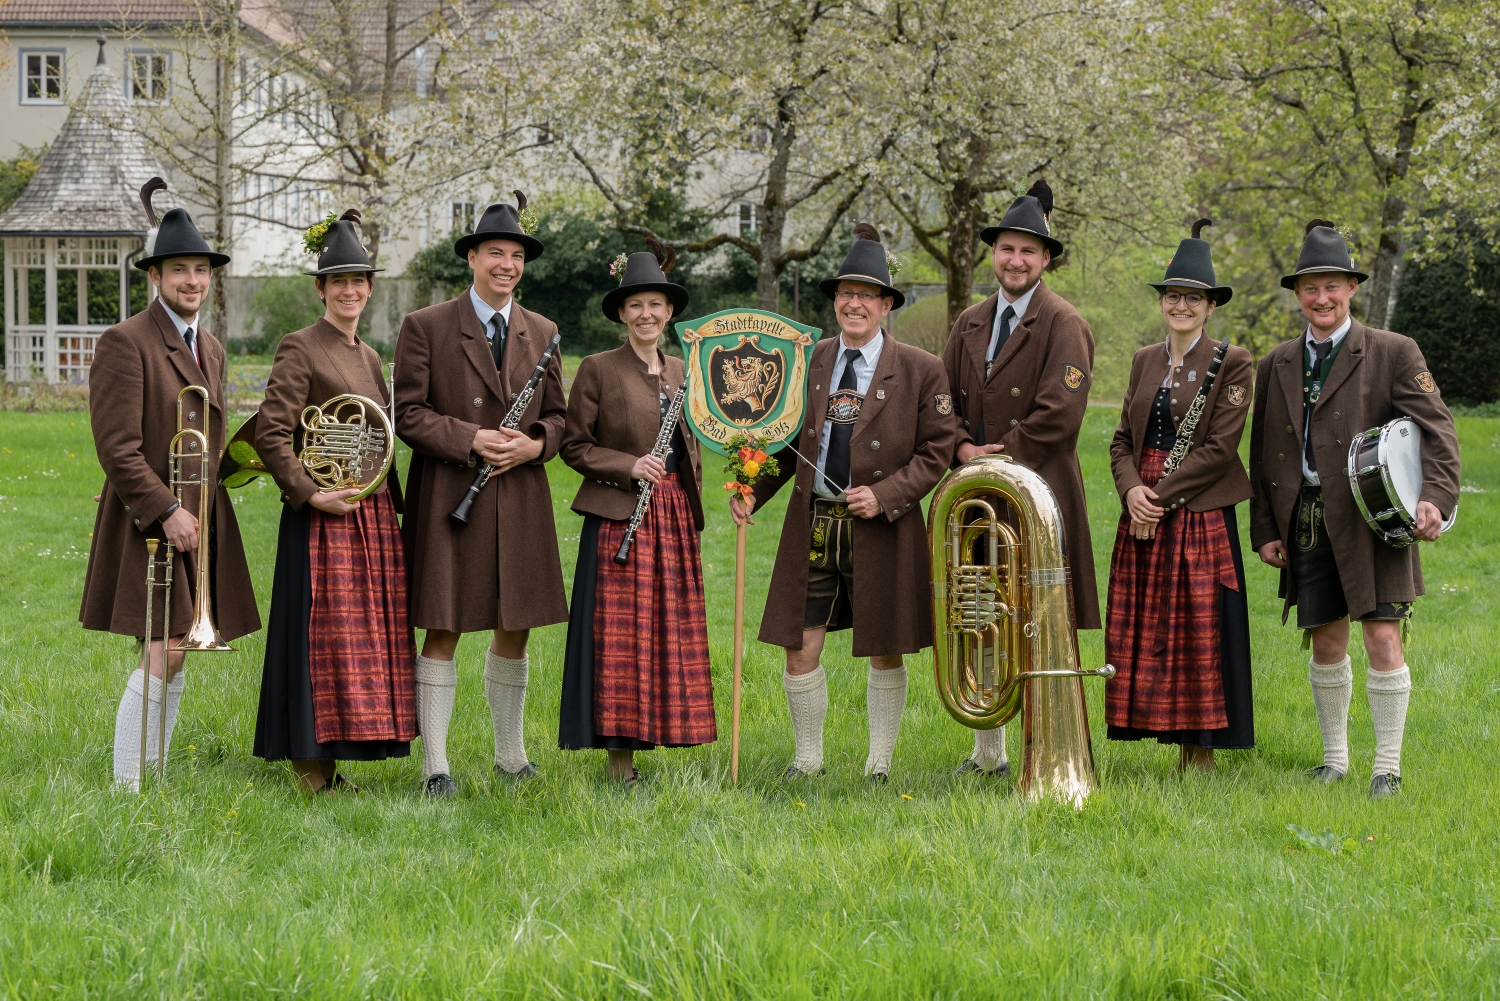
column 182, row 329
column 1166, row 381
column 486, row 312
column 869, row 358
column 1310, row 475
column 1019, row 305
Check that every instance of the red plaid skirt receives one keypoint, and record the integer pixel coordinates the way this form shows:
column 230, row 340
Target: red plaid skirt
column 651, row 671
column 360, row 651
column 1162, row 626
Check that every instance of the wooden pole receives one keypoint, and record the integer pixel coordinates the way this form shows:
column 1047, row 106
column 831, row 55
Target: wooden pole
column 739, row 650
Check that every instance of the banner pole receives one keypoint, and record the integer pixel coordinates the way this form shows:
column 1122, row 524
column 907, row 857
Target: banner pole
column 739, row 650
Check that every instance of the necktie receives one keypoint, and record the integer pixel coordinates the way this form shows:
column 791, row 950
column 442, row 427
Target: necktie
column 1321, row 350
column 191, row 336
column 836, row 468
column 1006, row 317
column 497, row 338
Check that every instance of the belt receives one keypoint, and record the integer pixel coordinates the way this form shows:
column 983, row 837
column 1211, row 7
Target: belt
column 831, row 508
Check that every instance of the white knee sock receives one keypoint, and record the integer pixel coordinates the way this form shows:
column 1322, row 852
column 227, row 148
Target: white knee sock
column 505, row 689
column 1332, row 687
column 807, row 698
column 436, row 682
column 1389, row 692
column 175, row 688
column 885, row 699
column 989, row 748
column 128, row 731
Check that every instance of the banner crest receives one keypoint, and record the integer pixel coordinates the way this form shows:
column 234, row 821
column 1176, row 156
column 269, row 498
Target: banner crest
column 747, row 375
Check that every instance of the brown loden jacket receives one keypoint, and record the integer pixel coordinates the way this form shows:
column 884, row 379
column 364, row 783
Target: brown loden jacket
column 140, row 365
column 1211, row 476
column 614, row 408
column 901, row 447
column 446, row 390
column 1377, row 377
column 312, row 366
column 1033, row 403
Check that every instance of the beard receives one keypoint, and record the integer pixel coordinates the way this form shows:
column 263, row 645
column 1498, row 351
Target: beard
column 173, row 300
column 1016, row 285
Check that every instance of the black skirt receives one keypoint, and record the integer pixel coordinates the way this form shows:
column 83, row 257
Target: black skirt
column 1234, row 665
column 575, row 724
column 284, row 724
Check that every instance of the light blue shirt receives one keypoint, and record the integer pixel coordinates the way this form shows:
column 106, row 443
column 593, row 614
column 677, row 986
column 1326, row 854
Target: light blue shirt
column 1021, row 305
column 864, row 371
column 1309, row 475
column 486, row 312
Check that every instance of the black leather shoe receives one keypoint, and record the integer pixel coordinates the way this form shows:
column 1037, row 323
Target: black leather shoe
column 339, row 783
column 878, row 778
column 1325, row 774
column 526, row 771
column 1382, row 786
column 793, row 773
column 440, row 786
column 970, row 767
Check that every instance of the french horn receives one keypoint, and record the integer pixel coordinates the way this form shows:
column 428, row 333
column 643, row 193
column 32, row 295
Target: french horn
column 347, row 441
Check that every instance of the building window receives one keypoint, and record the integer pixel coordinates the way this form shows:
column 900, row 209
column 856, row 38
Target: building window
column 463, row 217
column 747, row 218
column 41, row 78
column 148, row 76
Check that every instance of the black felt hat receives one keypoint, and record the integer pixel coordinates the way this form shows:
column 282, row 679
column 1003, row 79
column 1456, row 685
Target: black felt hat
column 1031, row 213
column 342, row 253
column 1323, row 252
column 500, row 222
column 174, row 235
column 867, row 262
column 646, row 271
column 1193, row 267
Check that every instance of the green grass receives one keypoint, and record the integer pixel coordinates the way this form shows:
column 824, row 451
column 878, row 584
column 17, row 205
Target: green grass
column 230, row 884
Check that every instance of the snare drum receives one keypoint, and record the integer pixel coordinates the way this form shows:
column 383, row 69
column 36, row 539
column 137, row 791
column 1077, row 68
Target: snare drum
column 1385, row 473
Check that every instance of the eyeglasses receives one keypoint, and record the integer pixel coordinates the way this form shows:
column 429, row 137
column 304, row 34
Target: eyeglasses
column 1191, row 298
column 864, row 297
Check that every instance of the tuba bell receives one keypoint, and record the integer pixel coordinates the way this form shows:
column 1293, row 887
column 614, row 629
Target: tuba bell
column 1004, row 639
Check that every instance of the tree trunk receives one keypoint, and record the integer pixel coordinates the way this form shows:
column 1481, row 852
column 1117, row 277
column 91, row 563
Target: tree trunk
column 1381, row 300
column 223, row 169
column 961, row 250
column 773, row 211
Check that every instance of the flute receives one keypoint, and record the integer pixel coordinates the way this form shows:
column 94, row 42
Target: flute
column 512, row 421
column 659, row 450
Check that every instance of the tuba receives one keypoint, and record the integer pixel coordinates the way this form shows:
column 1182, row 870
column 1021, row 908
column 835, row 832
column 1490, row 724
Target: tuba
column 1004, row 641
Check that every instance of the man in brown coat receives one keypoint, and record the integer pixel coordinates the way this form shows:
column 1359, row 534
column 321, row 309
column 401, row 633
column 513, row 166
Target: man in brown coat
column 1020, row 365
column 459, row 365
column 879, row 427
column 140, row 365
column 1313, row 394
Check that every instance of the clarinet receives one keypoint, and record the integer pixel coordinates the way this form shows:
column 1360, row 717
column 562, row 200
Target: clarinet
column 512, row 421
column 1191, row 419
column 659, row 450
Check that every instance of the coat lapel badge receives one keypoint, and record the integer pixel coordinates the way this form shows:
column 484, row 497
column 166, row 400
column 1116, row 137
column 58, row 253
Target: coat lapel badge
column 943, row 402
column 1236, row 395
column 1425, row 382
column 1073, row 378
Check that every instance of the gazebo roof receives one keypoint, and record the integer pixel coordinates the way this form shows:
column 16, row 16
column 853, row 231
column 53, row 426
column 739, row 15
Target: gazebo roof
column 89, row 182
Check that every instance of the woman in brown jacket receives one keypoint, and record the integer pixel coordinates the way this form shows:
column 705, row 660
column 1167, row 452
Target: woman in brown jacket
column 636, row 674
column 1177, row 627
column 339, row 676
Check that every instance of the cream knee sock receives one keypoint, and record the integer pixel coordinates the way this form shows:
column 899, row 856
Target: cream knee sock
column 885, row 699
column 436, row 682
column 128, row 731
column 1388, row 692
column 989, row 748
column 1332, row 687
column 807, row 698
column 505, row 690
column 175, row 688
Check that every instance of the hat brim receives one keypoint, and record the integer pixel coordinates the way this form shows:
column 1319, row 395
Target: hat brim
column 1220, row 294
column 215, row 259
column 830, row 287
column 615, row 298
column 464, row 244
column 989, row 234
column 1290, row 281
column 343, row 269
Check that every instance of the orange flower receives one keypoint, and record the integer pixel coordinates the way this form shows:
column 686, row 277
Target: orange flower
column 745, row 454
column 758, row 458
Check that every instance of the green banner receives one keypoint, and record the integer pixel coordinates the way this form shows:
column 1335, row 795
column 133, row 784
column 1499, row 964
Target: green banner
column 747, row 374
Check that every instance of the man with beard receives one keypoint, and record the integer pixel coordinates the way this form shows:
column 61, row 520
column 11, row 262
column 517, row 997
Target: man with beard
column 1019, row 366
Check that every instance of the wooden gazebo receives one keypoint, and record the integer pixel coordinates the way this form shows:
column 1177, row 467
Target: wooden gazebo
column 71, row 238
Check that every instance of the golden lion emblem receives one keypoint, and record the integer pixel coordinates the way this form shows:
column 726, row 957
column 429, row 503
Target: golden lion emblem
column 750, row 380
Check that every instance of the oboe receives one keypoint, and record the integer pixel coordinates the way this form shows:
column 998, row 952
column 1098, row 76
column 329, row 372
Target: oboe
column 513, row 422
column 659, row 450
column 1191, row 419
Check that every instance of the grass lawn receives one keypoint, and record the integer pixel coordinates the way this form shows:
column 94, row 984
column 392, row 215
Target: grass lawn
column 231, row 884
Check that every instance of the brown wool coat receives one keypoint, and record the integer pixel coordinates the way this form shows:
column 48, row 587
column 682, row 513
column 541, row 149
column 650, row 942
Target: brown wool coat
column 901, row 447
column 312, row 366
column 614, row 408
column 446, row 390
column 1374, row 379
column 1027, row 406
column 140, row 365
column 1211, row 476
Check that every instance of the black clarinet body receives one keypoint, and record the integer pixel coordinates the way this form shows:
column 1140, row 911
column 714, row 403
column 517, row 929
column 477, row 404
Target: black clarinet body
column 662, row 446
column 512, row 421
